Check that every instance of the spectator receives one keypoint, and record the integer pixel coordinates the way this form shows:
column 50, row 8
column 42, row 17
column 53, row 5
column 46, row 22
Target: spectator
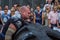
column 56, row 3
column 49, row 3
column 59, row 7
column 6, row 6
column 1, row 12
column 28, row 6
column 5, row 16
column 38, row 13
column 15, row 7
column 12, row 29
column 59, row 16
column 53, row 17
column 45, row 16
column 13, row 12
column 17, row 12
column 32, row 15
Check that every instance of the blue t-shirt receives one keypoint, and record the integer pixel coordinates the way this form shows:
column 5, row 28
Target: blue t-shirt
column 5, row 17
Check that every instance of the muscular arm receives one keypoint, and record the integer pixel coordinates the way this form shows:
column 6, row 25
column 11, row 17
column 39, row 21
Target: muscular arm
column 6, row 26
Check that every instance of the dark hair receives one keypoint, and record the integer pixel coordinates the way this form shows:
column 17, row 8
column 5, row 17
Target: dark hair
column 5, row 8
column 58, row 0
column 18, row 5
column 38, row 6
column 6, row 5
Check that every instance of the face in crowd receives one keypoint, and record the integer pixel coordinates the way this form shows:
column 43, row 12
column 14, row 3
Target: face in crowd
column 38, row 8
column 5, row 11
column 15, row 6
column 28, row 6
column 18, row 7
column 12, row 11
column 59, row 7
column 55, row 8
column 48, row 9
column 49, row 1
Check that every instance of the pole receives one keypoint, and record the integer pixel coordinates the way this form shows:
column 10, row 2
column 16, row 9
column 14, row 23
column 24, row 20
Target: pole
column 10, row 4
column 0, row 2
column 32, row 4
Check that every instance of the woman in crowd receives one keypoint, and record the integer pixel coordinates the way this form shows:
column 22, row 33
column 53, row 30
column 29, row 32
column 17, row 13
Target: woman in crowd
column 32, row 17
column 45, row 16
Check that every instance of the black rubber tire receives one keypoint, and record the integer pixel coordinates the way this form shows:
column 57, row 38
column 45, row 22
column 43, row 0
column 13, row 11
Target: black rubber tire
column 37, row 33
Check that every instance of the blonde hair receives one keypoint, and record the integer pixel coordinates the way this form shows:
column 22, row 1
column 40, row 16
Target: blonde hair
column 58, row 6
column 55, row 6
column 12, row 9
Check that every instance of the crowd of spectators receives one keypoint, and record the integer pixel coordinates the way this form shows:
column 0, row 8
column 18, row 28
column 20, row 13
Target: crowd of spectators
column 49, row 15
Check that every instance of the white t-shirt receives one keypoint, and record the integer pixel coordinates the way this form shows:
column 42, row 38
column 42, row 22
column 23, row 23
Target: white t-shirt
column 8, row 12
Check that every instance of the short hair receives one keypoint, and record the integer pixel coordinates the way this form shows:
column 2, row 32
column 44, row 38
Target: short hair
column 5, row 8
column 18, row 5
column 38, row 6
column 12, row 9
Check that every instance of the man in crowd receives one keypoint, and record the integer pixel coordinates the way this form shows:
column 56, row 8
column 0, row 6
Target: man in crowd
column 38, row 13
column 6, row 6
column 5, row 16
column 17, row 12
column 53, row 18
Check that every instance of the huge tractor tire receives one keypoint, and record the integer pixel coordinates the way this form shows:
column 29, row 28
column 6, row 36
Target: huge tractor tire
column 36, row 32
column 31, row 32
